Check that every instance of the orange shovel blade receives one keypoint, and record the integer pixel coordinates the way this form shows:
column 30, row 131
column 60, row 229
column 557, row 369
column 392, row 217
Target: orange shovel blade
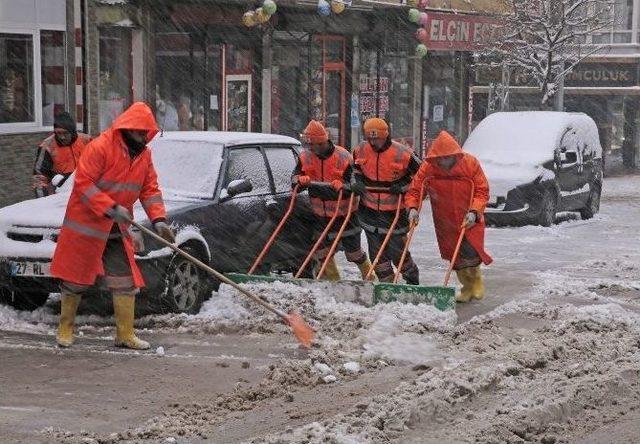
column 303, row 331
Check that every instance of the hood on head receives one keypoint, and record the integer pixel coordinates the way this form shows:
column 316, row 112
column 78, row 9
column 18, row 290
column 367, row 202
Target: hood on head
column 444, row 145
column 65, row 121
column 137, row 117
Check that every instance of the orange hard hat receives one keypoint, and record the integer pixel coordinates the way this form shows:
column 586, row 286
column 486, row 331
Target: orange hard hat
column 314, row 133
column 376, row 128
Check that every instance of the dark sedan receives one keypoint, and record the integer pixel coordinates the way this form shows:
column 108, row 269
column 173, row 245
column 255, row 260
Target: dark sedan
column 538, row 163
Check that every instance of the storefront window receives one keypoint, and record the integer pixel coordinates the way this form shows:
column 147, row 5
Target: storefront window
column 290, row 88
column 384, row 91
column 53, row 62
column 622, row 24
column 441, row 94
column 178, row 57
column 16, row 78
column 115, row 73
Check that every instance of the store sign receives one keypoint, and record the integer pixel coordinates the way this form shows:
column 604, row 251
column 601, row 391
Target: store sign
column 588, row 75
column 456, row 32
column 603, row 75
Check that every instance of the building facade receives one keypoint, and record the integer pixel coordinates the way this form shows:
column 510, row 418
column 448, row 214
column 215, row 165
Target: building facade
column 605, row 86
column 38, row 77
column 200, row 68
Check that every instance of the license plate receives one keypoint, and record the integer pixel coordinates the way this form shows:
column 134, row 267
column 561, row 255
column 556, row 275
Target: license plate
column 30, row 269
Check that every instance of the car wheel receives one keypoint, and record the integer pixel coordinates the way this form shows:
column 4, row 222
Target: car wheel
column 23, row 300
column 187, row 286
column 593, row 203
column 547, row 210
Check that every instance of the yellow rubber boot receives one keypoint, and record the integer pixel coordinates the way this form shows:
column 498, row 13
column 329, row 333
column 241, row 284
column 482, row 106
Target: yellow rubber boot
column 123, row 310
column 364, row 270
column 477, row 283
column 68, row 307
column 466, row 292
column 331, row 273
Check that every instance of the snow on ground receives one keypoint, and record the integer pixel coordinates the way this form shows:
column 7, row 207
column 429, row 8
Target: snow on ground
column 553, row 350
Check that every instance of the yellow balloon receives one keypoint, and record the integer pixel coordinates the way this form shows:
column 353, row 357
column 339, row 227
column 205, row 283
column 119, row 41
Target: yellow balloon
column 249, row 19
column 261, row 16
column 337, row 7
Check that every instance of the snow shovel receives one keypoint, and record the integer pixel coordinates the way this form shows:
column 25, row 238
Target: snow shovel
column 321, row 239
column 412, row 229
column 443, row 298
column 276, row 232
column 364, row 292
column 336, row 241
column 302, row 331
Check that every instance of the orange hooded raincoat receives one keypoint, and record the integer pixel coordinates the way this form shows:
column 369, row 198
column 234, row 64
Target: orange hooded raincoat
column 107, row 176
column 450, row 192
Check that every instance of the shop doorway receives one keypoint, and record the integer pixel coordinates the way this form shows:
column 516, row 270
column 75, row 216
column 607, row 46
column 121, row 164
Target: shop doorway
column 308, row 81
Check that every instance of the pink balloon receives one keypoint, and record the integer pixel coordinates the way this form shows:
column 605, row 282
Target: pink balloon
column 422, row 35
column 422, row 4
column 424, row 19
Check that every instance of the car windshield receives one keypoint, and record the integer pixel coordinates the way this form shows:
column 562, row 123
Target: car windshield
column 188, row 168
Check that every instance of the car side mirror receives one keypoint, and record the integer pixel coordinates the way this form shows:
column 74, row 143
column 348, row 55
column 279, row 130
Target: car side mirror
column 239, row 186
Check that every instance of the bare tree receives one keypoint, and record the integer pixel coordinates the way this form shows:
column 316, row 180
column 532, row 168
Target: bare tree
column 543, row 40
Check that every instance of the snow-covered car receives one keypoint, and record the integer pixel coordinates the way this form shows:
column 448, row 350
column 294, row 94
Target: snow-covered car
column 224, row 192
column 538, row 163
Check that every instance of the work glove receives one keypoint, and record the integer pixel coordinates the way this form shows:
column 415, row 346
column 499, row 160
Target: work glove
column 414, row 216
column 397, row 188
column 303, row 181
column 165, row 231
column 58, row 180
column 120, row 214
column 337, row 185
column 358, row 188
column 470, row 219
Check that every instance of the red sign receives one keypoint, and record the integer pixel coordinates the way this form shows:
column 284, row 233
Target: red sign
column 457, row 32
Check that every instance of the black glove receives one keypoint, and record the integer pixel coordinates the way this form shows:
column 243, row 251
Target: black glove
column 358, row 188
column 397, row 188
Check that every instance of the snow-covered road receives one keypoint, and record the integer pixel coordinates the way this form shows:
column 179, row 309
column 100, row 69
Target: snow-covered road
column 551, row 355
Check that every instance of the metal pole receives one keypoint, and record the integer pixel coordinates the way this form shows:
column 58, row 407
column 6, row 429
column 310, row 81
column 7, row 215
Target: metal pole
column 559, row 97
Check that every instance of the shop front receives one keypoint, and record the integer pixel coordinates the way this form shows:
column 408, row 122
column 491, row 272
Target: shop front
column 207, row 69
column 451, row 39
column 309, row 81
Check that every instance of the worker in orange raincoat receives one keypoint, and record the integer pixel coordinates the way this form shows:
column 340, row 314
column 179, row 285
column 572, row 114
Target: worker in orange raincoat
column 325, row 162
column 94, row 244
column 57, row 156
column 381, row 162
column 449, row 176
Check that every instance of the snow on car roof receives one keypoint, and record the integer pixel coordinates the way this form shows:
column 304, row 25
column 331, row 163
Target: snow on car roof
column 225, row 138
column 526, row 138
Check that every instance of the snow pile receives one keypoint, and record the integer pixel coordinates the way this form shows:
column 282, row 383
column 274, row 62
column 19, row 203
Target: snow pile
column 385, row 339
column 513, row 386
column 22, row 321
